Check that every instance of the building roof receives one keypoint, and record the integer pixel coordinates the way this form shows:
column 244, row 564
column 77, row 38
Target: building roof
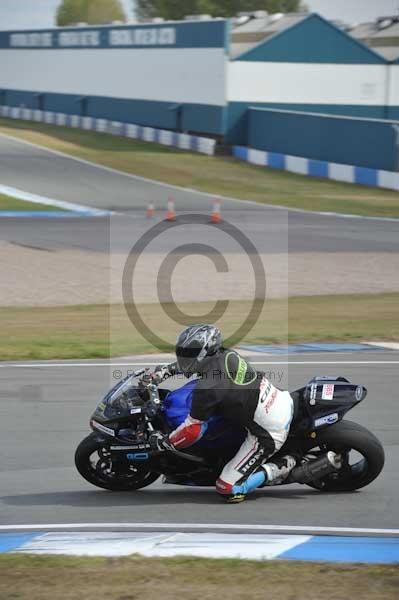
column 381, row 35
column 382, row 27
column 363, row 30
column 269, row 24
column 390, row 53
column 236, row 49
column 299, row 37
column 256, row 30
column 387, row 32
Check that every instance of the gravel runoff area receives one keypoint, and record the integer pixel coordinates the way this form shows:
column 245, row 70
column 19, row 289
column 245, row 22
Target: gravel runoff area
column 39, row 277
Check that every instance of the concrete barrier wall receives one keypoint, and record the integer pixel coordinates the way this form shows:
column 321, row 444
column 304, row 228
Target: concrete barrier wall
column 317, row 168
column 352, row 141
column 134, row 131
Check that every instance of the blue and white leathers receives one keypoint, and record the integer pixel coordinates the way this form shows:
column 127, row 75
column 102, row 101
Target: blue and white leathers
column 273, row 415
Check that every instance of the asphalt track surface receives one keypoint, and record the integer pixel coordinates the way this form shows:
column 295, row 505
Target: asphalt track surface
column 45, row 411
column 271, row 229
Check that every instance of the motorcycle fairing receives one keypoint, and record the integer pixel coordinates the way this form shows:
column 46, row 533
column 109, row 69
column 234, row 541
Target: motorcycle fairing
column 122, row 402
column 177, row 404
column 327, row 399
column 219, row 435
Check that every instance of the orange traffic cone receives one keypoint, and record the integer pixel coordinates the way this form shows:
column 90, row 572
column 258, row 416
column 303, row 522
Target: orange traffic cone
column 150, row 211
column 170, row 213
column 216, row 217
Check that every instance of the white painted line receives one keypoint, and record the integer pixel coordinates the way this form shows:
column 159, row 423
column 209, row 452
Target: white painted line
column 204, row 526
column 35, row 199
column 150, row 364
column 259, row 205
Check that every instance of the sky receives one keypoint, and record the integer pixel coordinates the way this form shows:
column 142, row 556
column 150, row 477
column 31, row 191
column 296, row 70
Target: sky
column 35, row 14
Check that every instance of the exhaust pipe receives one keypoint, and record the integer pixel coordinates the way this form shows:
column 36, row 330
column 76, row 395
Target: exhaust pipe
column 316, row 469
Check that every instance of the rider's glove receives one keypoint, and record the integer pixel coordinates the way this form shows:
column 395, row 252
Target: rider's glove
column 146, row 379
column 159, row 442
column 160, row 373
column 155, row 377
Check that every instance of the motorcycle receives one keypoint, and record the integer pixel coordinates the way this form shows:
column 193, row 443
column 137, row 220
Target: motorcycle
column 333, row 454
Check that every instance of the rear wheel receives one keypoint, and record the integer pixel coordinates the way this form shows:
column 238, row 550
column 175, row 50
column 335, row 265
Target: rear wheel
column 93, row 461
column 362, row 457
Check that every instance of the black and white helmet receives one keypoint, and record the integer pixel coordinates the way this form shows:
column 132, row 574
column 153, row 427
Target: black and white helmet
column 194, row 344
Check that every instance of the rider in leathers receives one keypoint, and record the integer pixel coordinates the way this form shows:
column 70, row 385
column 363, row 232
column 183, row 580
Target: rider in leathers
column 229, row 386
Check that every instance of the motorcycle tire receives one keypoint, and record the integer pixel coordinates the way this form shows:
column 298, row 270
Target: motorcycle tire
column 343, row 437
column 100, row 476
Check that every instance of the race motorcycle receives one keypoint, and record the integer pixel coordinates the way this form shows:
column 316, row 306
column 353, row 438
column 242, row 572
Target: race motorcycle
column 333, row 454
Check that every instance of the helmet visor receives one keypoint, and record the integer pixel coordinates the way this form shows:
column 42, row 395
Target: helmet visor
column 187, row 357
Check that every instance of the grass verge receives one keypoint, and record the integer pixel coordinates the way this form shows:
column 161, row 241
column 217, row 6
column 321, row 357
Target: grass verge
column 224, row 176
column 100, row 331
column 68, row 578
column 7, row 203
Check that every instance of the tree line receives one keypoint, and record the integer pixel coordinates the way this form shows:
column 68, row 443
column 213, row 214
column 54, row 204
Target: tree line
column 101, row 12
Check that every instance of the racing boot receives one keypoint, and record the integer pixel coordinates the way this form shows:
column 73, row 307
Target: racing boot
column 278, row 471
column 235, row 498
column 240, row 490
column 269, row 474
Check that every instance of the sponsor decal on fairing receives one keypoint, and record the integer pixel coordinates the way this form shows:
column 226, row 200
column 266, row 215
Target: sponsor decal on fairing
column 327, row 420
column 313, row 392
column 102, row 428
column 327, row 391
column 138, row 456
column 131, row 447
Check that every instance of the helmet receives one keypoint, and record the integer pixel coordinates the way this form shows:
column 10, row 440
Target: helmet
column 194, row 344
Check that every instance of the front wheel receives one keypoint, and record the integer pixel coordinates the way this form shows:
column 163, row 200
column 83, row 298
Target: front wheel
column 93, row 461
column 362, row 457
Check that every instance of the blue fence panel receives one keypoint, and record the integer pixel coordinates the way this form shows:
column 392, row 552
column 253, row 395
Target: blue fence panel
column 360, row 142
column 237, row 116
column 197, row 118
column 318, row 168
